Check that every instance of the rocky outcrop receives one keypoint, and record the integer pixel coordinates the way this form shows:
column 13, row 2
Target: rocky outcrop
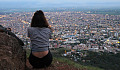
column 12, row 55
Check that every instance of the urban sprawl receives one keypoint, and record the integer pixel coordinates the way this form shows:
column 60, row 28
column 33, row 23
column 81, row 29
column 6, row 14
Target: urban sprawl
column 72, row 30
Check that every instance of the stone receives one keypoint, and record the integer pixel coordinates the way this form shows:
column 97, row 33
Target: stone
column 12, row 55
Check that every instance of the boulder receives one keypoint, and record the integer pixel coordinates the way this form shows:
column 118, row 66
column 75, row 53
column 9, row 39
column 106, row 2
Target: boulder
column 12, row 55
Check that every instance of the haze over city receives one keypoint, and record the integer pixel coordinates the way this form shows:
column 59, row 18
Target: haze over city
column 58, row 3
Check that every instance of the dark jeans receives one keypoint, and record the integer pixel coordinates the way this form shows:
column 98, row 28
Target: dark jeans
column 40, row 62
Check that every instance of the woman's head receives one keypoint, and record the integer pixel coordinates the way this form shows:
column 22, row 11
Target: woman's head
column 39, row 20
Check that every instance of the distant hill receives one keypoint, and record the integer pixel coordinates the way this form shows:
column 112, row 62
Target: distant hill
column 110, row 11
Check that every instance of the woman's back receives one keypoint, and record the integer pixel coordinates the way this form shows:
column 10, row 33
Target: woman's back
column 39, row 38
column 39, row 34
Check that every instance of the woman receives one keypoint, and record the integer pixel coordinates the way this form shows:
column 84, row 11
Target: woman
column 39, row 34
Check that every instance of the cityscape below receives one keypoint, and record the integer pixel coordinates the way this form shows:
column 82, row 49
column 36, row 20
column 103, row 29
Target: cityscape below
column 77, row 30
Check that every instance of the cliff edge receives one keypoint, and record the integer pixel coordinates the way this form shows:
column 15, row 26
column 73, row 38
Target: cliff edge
column 12, row 55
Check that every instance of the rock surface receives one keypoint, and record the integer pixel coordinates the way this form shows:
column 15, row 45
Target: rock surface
column 12, row 55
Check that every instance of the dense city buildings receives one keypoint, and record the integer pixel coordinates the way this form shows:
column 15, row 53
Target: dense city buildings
column 72, row 30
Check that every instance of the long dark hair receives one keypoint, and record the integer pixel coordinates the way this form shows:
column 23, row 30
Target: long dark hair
column 39, row 20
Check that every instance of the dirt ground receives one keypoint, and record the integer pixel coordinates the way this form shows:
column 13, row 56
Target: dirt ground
column 54, row 66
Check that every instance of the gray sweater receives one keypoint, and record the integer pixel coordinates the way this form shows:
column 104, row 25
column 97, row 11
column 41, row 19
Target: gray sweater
column 39, row 38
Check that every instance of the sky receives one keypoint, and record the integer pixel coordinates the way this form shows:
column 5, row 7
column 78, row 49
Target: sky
column 58, row 3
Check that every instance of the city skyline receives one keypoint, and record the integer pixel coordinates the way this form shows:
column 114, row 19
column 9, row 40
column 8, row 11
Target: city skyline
column 56, row 3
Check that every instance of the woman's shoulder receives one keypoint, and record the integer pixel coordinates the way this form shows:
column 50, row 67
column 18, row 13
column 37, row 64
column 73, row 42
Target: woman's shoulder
column 38, row 28
column 46, row 29
column 32, row 28
column 43, row 28
column 29, row 28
